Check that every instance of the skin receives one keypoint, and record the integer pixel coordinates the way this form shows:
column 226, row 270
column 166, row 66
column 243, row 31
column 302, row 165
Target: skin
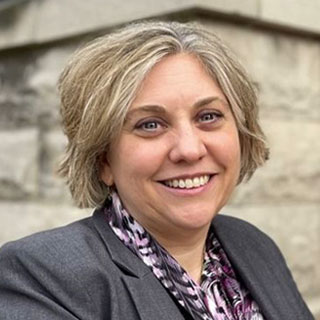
column 180, row 125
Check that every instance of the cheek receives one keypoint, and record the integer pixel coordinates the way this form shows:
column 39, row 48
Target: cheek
column 228, row 152
column 137, row 160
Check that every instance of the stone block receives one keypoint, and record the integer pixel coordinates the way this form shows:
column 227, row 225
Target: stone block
column 17, row 105
column 53, row 143
column 20, row 219
column 248, row 8
column 288, row 76
column 100, row 14
column 35, row 21
column 296, row 230
column 297, row 13
column 17, row 24
column 42, row 83
column 96, row 15
column 29, row 94
column 292, row 173
column 314, row 305
column 19, row 163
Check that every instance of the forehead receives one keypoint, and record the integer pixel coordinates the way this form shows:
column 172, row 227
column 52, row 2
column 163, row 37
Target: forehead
column 177, row 79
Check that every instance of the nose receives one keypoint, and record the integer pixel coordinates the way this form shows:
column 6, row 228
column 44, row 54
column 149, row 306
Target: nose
column 187, row 146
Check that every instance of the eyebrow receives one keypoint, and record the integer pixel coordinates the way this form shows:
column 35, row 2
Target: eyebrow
column 162, row 110
column 147, row 108
column 205, row 101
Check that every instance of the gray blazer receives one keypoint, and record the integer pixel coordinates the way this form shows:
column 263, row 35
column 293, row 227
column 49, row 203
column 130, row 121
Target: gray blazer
column 83, row 271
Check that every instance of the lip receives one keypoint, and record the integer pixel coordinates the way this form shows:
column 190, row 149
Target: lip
column 188, row 192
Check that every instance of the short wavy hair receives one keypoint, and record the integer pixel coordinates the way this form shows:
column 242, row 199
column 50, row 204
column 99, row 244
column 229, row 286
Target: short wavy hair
column 101, row 80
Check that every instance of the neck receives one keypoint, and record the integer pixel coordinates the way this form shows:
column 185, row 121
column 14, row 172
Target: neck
column 188, row 251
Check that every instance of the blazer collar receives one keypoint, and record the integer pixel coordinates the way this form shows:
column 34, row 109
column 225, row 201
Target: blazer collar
column 119, row 253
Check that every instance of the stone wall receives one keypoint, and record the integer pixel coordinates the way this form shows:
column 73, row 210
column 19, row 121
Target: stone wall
column 282, row 199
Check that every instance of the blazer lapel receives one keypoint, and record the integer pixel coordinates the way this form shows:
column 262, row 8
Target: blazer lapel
column 261, row 267
column 151, row 298
column 145, row 290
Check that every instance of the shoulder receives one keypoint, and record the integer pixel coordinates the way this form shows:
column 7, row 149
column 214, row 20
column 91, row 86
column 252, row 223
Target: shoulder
column 72, row 251
column 71, row 243
column 233, row 223
column 59, row 269
column 226, row 223
column 244, row 235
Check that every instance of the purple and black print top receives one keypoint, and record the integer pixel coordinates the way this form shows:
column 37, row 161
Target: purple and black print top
column 219, row 297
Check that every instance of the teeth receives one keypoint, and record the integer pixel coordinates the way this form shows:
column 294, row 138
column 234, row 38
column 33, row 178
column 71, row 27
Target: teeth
column 182, row 184
column 188, row 183
column 196, row 182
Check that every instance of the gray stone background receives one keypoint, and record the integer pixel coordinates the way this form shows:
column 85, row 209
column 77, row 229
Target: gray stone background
column 277, row 40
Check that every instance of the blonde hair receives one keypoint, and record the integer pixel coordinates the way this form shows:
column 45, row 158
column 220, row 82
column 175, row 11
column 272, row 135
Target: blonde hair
column 100, row 82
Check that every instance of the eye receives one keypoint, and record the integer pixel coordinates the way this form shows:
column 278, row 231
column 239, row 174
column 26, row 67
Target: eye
column 148, row 125
column 209, row 117
column 151, row 126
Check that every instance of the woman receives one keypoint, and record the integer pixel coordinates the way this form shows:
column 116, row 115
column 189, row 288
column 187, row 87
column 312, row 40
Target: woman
column 162, row 125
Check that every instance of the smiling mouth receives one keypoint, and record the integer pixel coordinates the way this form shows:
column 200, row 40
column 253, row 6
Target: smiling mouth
column 187, row 183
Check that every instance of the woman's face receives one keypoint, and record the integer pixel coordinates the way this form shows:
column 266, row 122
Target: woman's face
column 177, row 158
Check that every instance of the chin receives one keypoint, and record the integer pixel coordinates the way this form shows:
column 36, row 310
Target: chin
column 196, row 219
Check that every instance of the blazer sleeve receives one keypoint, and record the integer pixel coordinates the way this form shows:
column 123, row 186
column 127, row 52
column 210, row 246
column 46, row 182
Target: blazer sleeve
column 39, row 281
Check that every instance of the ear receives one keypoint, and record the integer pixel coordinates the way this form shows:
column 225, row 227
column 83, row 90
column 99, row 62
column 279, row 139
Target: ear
column 105, row 170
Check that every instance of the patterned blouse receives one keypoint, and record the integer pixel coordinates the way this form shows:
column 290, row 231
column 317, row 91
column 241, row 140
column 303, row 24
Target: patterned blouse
column 219, row 297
